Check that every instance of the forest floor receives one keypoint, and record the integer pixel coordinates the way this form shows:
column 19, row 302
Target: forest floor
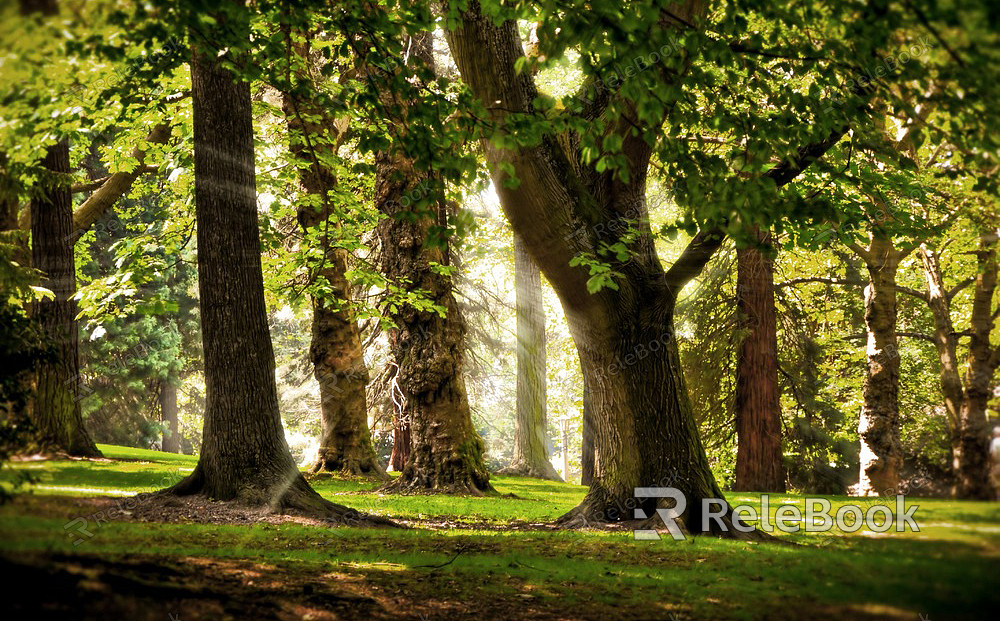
column 462, row 557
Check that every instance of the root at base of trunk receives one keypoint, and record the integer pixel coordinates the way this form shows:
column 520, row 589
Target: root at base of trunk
column 350, row 468
column 526, row 470
column 586, row 515
column 296, row 499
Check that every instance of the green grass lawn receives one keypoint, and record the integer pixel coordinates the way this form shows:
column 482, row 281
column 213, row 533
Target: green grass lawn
column 951, row 569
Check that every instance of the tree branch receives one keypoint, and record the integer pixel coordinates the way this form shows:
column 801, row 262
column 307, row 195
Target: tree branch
column 697, row 253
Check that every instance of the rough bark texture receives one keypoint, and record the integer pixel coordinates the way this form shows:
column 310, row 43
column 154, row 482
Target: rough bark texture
column 56, row 407
column 966, row 401
column 446, row 452
column 759, row 462
column 645, row 432
column 531, row 455
column 168, row 415
column 244, row 456
column 336, row 350
column 588, row 450
column 878, row 427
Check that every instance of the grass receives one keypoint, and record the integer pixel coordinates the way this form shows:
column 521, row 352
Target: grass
column 948, row 570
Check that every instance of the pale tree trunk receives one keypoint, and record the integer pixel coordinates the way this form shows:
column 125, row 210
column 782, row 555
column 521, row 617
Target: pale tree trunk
column 645, row 432
column 531, row 455
column 966, row 401
column 244, row 457
column 336, row 350
column 759, row 462
column 878, row 427
column 446, row 451
column 168, row 415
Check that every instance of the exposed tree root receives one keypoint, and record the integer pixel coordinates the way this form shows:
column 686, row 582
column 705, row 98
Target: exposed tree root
column 409, row 483
column 613, row 517
column 525, row 469
column 296, row 498
column 350, row 468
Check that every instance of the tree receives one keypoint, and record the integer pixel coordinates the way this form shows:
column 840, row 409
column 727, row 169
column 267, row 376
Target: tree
column 564, row 184
column 336, row 350
column 759, row 461
column 244, row 457
column 966, row 395
column 531, row 455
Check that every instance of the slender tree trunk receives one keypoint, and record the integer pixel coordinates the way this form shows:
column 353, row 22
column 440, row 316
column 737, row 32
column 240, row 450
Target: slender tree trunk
column 878, row 427
column 531, row 456
column 336, row 350
column 401, row 441
column 966, row 401
column 168, row 414
column 759, row 461
column 244, row 456
column 56, row 409
column 589, row 450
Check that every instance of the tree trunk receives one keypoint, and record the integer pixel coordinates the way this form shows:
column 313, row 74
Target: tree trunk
column 561, row 206
column 446, row 452
column 401, row 441
column 759, row 462
column 966, row 401
column 244, row 456
column 56, row 408
column 588, row 457
column 336, row 350
column 531, row 456
column 878, row 427
column 168, row 414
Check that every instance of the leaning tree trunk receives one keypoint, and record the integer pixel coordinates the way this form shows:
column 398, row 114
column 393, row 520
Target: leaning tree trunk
column 878, row 427
column 56, row 408
column 759, row 462
column 336, row 350
column 953, row 390
column 168, row 415
column 563, row 208
column 531, row 456
column 244, row 456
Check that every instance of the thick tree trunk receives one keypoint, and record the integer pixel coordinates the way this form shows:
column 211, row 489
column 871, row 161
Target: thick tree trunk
column 244, row 456
column 336, row 350
column 446, row 452
column 56, row 408
column 168, row 415
column 759, row 462
column 588, row 448
column 878, row 427
column 531, row 455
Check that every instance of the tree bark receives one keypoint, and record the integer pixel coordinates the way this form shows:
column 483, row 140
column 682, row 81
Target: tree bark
column 878, row 426
column 336, row 350
column 56, row 409
column 759, row 461
column 446, row 452
column 244, row 456
column 168, row 414
column 531, row 455
column 966, row 401
column 588, row 457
